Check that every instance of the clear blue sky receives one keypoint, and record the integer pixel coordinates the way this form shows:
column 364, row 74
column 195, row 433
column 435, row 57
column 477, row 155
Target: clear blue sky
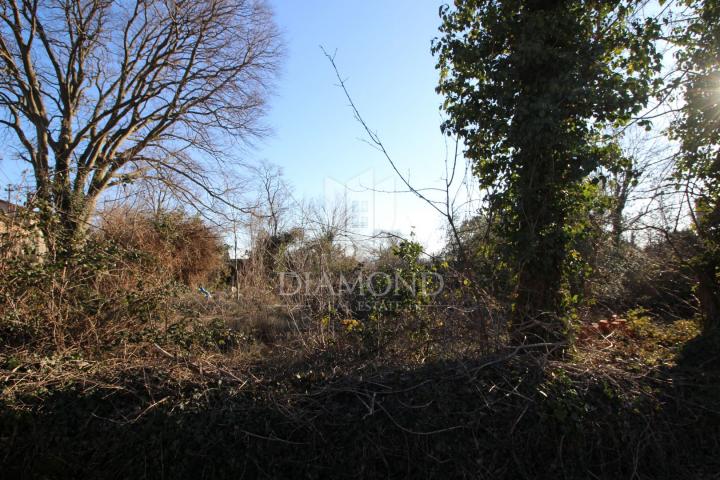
column 383, row 51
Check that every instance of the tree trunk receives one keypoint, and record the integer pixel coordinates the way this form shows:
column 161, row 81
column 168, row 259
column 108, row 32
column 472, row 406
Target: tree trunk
column 617, row 223
column 65, row 228
column 708, row 293
column 540, row 249
column 707, row 263
column 537, row 315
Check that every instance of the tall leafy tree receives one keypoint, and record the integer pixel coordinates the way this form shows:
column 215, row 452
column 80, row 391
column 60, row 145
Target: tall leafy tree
column 698, row 132
column 531, row 87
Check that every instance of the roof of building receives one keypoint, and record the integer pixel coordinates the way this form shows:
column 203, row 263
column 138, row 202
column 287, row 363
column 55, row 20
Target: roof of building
column 7, row 207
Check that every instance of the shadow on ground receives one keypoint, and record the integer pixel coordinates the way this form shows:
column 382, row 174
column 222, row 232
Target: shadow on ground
column 496, row 417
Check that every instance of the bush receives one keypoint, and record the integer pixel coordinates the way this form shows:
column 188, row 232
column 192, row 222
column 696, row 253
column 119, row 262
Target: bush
column 178, row 245
column 82, row 300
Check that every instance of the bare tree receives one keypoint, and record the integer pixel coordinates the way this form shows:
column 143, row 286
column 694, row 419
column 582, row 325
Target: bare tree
column 274, row 197
column 631, row 183
column 102, row 92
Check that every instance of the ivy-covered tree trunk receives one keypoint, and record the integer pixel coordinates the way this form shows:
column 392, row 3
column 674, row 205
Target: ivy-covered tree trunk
column 540, row 250
column 64, row 220
column 536, row 227
column 706, row 263
column 708, row 293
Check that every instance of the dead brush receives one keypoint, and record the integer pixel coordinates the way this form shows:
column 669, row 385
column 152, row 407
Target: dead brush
column 84, row 301
column 509, row 415
column 184, row 247
column 254, row 305
column 125, row 280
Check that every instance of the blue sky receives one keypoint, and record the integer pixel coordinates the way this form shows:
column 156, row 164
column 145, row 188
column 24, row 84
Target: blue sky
column 383, row 51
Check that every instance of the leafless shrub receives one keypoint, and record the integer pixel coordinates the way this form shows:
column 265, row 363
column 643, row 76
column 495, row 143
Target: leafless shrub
column 179, row 245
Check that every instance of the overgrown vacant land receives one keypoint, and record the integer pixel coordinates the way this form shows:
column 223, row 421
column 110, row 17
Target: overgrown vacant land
column 614, row 408
column 168, row 311
column 114, row 368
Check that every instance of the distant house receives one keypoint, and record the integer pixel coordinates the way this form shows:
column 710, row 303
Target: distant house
column 18, row 234
column 8, row 208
